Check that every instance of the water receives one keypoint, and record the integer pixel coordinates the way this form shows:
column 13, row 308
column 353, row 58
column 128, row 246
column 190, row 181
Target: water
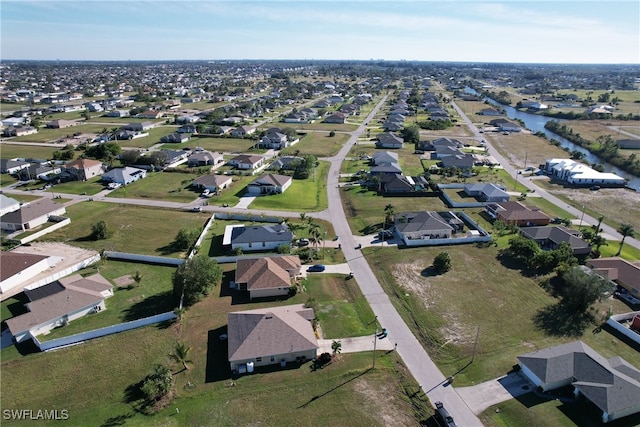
column 535, row 123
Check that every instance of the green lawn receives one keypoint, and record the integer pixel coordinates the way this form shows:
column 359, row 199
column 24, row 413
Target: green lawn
column 222, row 144
column 318, row 144
column 145, row 142
column 168, row 186
column 318, row 125
column 11, row 151
column 89, row 187
column 444, row 311
column 303, row 195
column 45, row 135
column 134, row 229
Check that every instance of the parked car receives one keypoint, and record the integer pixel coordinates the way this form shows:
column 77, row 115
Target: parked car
column 303, row 242
column 594, row 188
column 443, row 416
column 317, row 268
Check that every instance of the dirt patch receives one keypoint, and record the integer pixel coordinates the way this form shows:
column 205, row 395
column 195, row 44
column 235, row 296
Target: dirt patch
column 410, row 276
column 123, row 281
column 388, row 407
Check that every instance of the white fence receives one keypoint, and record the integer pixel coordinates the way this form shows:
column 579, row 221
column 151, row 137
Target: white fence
column 63, row 273
column 202, row 235
column 47, row 230
column 143, row 258
column 616, row 320
column 108, row 330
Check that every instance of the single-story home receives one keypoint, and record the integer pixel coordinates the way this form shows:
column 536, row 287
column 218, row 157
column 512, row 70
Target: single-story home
column 84, row 169
column 124, row 176
column 427, row 225
column 176, row 137
column 17, row 268
column 247, row 161
column 13, row 166
column 550, row 237
column 213, row 183
column 270, row 184
column 270, row 336
column 336, row 118
column 19, row 131
column 517, row 213
column 504, row 125
column 580, row 174
column 205, row 158
column 243, row 131
column 58, row 303
column 274, row 139
column 487, row 192
column 285, row 163
column 613, row 385
column 138, row 126
column 257, row 237
column 620, row 271
column 389, row 140
column 31, row 215
column 7, row 204
column 267, row 276
column 60, row 124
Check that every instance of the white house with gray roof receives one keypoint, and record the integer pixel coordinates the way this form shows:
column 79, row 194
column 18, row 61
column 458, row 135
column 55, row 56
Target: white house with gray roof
column 31, row 215
column 269, row 184
column 124, row 176
column 257, row 237
column 613, row 385
column 270, row 336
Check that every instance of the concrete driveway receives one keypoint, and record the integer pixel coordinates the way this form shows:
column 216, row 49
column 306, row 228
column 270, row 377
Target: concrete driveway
column 356, row 344
column 480, row 397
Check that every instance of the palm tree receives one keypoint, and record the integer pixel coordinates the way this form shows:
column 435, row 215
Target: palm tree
column 336, row 346
column 314, row 232
column 600, row 219
column 114, row 133
column 625, row 230
column 598, row 241
column 181, row 354
column 389, row 213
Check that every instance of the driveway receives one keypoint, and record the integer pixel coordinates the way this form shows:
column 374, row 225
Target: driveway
column 480, row 397
column 356, row 344
column 244, row 202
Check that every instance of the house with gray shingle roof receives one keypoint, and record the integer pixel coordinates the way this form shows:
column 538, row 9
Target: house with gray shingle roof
column 31, row 215
column 269, row 184
column 487, row 192
column 205, row 158
column 613, row 385
column 213, row 183
column 268, row 276
column 389, row 140
column 259, row 237
column 75, row 297
column 427, row 225
column 550, row 237
column 7, row 204
column 270, row 336
column 124, row 176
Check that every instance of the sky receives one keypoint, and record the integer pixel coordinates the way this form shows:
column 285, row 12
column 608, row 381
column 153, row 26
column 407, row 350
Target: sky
column 515, row 31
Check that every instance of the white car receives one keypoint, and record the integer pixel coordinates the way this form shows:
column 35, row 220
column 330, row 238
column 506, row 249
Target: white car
column 113, row 186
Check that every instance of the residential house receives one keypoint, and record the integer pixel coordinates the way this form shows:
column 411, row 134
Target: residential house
column 270, row 336
column 257, row 238
column 243, row 131
column 150, row 114
column 285, row 163
column 205, row 158
column 382, row 157
column 13, row 121
column 612, row 385
column 138, row 126
column 550, row 237
column 56, row 304
column 336, row 118
column 274, row 139
column 620, row 271
column 82, row 170
column 579, row 174
column 60, row 124
column 118, row 113
column 516, row 213
column 246, row 161
column 458, row 161
column 427, row 225
column 7, row 204
column 487, row 192
column 17, row 268
column 389, row 140
column 444, row 145
column 504, row 125
column 31, row 215
column 13, row 166
column 269, row 184
column 19, row 131
column 176, row 137
column 188, row 128
column 397, row 183
column 124, row 176
column 490, row 112
column 187, row 120
column 213, row 183
column 267, row 276
column 173, row 157
column 632, row 144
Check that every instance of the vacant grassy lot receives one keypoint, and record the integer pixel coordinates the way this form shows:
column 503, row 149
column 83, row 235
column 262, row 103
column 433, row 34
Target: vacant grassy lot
column 318, row 144
column 11, row 151
column 148, row 141
column 444, row 311
column 45, row 135
column 172, row 187
column 521, row 146
column 89, row 187
column 234, row 145
column 592, row 129
column 134, row 229
column 304, row 195
column 319, row 126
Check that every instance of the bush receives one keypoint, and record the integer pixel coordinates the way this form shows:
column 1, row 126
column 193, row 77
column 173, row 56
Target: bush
column 442, row 263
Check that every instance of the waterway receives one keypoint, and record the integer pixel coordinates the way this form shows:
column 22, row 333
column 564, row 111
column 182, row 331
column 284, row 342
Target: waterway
column 536, row 122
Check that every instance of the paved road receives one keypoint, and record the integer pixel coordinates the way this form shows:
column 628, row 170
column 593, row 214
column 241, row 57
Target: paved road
column 531, row 185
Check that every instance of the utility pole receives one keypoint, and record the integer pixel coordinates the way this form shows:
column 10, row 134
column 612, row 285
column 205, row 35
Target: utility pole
column 582, row 216
column 375, row 341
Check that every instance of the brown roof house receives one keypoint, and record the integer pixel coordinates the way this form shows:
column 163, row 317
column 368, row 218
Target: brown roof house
column 31, row 215
column 269, row 336
column 612, row 385
column 84, row 169
column 550, row 237
column 213, row 183
column 517, row 213
column 268, row 276
column 17, row 268
column 58, row 303
column 620, row 271
column 269, row 184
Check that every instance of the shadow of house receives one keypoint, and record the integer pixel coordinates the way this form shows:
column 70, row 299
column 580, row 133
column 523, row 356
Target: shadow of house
column 217, row 367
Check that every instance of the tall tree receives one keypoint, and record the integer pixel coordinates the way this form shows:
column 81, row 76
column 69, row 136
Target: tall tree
column 195, row 278
column 389, row 213
column 316, row 234
column 600, row 219
column 626, row 230
column 581, row 290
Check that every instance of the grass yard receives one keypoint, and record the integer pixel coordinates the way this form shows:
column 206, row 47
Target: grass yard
column 318, row 125
column 46, row 135
column 89, row 187
column 303, row 195
column 140, row 230
column 168, row 186
column 444, row 311
column 11, row 151
column 318, row 144
column 154, row 295
column 148, row 141
column 521, row 146
column 217, row 144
